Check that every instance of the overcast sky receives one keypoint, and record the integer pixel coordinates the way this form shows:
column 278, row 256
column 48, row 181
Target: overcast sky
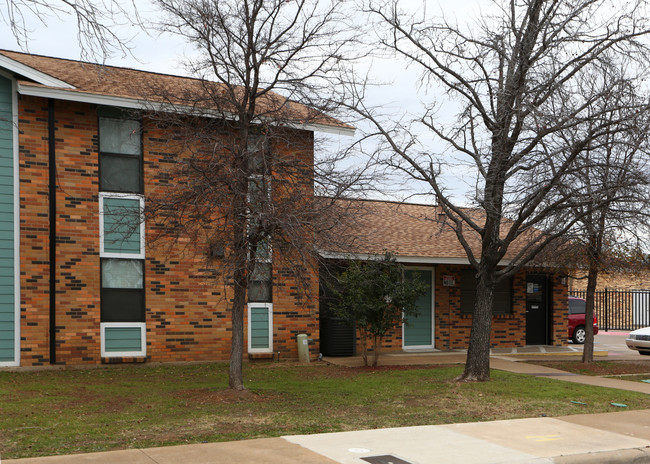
column 57, row 37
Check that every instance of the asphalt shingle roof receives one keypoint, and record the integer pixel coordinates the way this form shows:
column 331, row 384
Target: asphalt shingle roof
column 407, row 229
column 104, row 80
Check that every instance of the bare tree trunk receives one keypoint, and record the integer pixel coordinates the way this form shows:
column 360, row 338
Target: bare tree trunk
column 592, row 281
column 477, row 367
column 240, row 281
column 235, row 373
column 588, row 348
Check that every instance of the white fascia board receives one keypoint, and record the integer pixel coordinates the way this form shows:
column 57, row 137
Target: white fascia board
column 335, row 130
column 401, row 259
column 133, row 103
column 31, row 73
column 59, row 94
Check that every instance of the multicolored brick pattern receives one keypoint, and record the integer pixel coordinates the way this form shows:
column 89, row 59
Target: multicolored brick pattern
column 452, row 328
column 187, row 296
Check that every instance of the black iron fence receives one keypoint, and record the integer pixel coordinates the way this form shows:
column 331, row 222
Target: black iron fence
column 620, row 309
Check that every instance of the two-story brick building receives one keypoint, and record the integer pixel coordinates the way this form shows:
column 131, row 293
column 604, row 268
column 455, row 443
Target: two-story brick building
column 79, row 282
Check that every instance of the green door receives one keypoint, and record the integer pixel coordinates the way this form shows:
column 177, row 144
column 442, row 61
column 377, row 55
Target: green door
column 418, row 329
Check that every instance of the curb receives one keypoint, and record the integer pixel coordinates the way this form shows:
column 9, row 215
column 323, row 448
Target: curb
column 627, row 456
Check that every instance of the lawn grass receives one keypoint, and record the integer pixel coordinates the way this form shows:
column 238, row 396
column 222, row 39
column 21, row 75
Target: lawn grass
column 599, row 368
column 74, row 410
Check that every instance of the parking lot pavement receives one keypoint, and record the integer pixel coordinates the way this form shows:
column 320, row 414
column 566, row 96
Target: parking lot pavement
column 614, row 343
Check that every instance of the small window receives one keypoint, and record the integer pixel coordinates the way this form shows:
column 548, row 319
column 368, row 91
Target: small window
column 502, row 294
column 122, row 293
column 120, row 174
column 120, row 136
column 121, row 226
column 259, row 286
column 120, row 155
column 260, row 328
column 257, row 148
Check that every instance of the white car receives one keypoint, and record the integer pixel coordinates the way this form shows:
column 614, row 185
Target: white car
column 639, row 340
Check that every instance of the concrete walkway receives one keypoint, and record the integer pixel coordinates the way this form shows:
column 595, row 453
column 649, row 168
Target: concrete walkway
column 616, row 437
column 619, row 437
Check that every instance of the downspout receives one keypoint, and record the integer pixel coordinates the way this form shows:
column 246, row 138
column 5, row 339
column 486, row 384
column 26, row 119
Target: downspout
column 51, row 142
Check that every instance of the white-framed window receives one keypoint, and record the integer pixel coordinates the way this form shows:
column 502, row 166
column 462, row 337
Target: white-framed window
column 120, row 153
column 121, row 226
column 123, row 339
column 260, row 327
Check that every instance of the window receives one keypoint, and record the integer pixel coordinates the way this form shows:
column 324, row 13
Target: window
column 259, row 196
column 120, row 155
column 122, row 294
column 502, row 294
column 121, row 236
column 259, row 285
column 260, row 328
column 260, row 289
column 121, row 227
column 258, row 162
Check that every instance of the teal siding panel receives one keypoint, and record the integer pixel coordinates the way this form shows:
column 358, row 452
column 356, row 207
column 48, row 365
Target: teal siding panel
column 6, row 175
column 259, row 327
column 6, row 287
column 6, row 235
column 7, row 290
column 122, row 339
column 7, row 254
column 417, row 330
column 121, row 225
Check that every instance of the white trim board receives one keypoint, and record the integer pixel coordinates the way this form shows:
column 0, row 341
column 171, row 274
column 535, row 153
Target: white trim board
column 31, row 73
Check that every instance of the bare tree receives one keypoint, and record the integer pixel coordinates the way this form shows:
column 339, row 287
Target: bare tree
column 611, row 189
column 243, row 179
column 97, row 22
column 515, row 78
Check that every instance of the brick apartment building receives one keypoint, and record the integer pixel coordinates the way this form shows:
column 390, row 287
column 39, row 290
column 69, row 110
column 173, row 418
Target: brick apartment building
column 75, row 288
column 79, row 282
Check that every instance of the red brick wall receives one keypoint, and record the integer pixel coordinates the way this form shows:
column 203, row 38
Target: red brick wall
column 186, row 298
column 452, row 328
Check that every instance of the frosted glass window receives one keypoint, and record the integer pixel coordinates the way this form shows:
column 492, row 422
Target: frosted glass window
column 259, row 286
column 122, row 273
column 119, row 136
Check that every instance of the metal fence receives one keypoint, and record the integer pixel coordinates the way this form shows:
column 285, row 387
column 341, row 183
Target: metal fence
column 620, row 309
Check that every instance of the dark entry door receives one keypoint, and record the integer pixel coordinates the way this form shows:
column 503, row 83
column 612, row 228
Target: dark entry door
column 536, row 310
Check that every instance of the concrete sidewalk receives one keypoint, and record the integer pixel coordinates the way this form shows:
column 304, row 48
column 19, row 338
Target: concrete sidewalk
column 621, row 437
